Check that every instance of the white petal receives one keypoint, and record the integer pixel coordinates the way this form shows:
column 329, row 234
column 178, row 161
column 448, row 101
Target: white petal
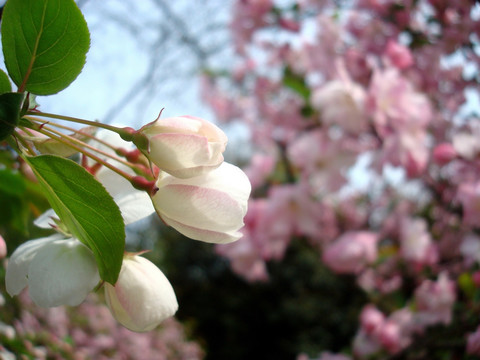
column 62, row 272
column 16, row 278
column 134, row 205
column 209, row 236
column 45, row 221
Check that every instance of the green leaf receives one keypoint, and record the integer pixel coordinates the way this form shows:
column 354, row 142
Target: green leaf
column 45, row 43
column 12, row 183
column 5, row 85
column 10, row 107
column 296, row 83
column 86, row 208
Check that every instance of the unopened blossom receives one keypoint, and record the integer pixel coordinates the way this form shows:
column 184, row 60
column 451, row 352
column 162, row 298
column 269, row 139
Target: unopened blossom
column 351, row 252
column 209, row 207
column 57, row 271
column 184, row 146
column 142, row 296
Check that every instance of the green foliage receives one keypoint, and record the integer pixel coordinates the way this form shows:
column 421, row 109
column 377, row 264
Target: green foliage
column 5, row 85
column 296, row 83
column 86, row 208
column 10, row 107
column 45, row 43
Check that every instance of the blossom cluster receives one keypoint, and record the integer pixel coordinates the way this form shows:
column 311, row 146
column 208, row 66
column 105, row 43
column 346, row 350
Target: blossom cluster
column 363, row 147
column 42, row 333
column 189, row 186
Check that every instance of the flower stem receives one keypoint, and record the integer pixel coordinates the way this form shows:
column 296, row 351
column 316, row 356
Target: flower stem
column 123, row 132
column 19, row 138
column 86, row 153
column 82, row 144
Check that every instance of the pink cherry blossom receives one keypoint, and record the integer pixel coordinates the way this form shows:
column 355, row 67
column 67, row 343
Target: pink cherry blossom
column 351, row 252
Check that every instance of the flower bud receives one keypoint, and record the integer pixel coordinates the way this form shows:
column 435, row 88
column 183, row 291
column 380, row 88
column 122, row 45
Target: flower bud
column 184, row 146
column 142, row 297
column 209, row 207
column 58, row 271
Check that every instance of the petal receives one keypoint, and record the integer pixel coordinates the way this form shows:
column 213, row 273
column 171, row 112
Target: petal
column 210, row 236
column 227, row 178
column 45, row 221
column 16, row 278
column 216, row 201
column 62, row 272
column 134, row 205
column 203, row 208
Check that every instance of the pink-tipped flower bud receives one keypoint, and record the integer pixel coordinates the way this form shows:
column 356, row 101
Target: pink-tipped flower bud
column 183, row 146
column 142, row 297
column 210, row 207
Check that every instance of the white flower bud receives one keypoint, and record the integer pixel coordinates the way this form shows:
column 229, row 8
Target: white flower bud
column 210, row 207
column 142, row 297
column 58, row 271
column 184, row 146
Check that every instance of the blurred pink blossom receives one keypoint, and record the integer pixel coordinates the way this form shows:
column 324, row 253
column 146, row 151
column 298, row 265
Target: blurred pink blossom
column 351, row 252
column 249, row 16
column 393, row 333
column 395, row 104
column 468, row 194
column 434, row 300
column 398, row 55
column 371, row 319
column 396, row 333
column 260, row 167
column 473, row 342
column 470, row 248
column 444, row 153
column 416, row 243
column 341, row 103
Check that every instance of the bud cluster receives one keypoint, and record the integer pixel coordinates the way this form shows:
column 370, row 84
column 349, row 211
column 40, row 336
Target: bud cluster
column 175, row 169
